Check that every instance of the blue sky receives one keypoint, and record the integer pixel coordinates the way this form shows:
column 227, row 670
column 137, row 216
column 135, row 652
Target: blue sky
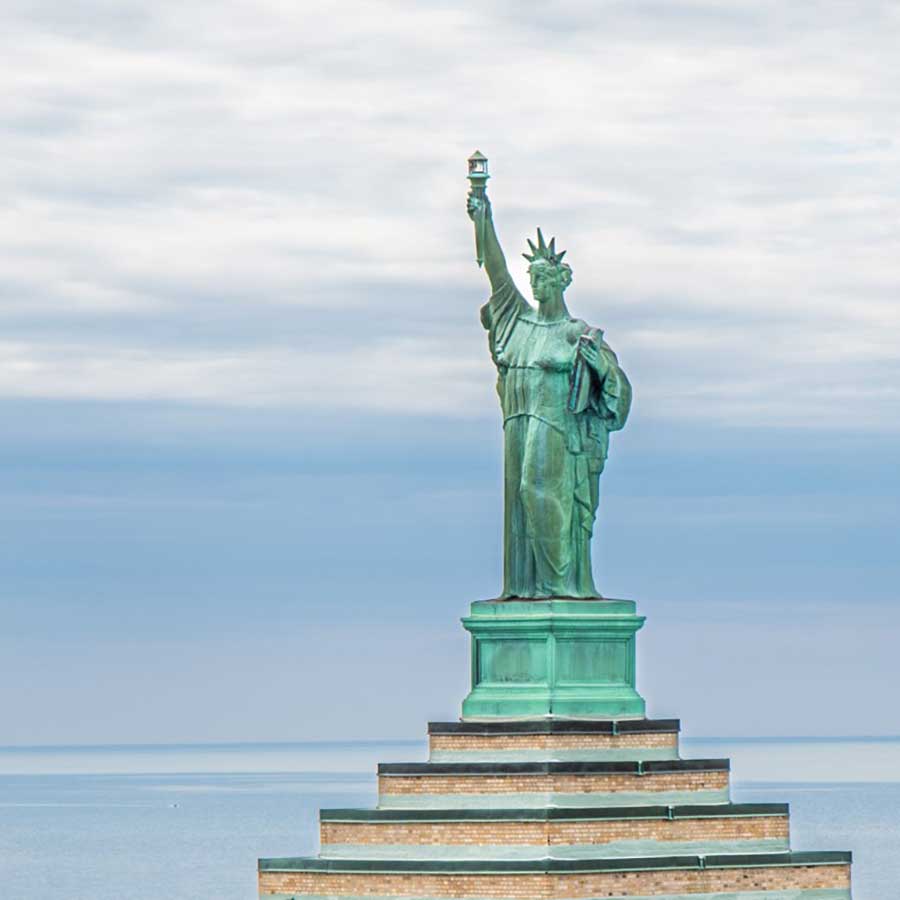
column 251, row 454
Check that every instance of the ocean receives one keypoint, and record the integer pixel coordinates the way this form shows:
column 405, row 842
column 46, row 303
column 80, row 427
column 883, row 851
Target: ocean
column 187, row 822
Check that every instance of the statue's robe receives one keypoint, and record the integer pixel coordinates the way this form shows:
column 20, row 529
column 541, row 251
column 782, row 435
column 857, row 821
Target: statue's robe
column 557, row 416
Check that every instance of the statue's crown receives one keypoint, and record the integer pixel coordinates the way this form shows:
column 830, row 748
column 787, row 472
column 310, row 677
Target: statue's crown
column 544, row 251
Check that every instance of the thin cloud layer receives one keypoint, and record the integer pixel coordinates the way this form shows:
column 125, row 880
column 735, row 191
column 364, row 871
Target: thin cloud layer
column 262, row 204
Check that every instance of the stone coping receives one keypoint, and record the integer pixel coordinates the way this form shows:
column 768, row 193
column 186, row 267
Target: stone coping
column 561, row 866
column 552, row 606
column 626, row 767
column 557, row 726
column 612, row 849
column 790, row 894
column 695, row 811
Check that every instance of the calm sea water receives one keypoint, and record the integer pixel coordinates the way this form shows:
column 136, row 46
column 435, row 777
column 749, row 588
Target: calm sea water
column 188, row 822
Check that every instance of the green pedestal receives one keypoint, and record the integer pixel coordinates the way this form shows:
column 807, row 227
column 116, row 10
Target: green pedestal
column 559, row 658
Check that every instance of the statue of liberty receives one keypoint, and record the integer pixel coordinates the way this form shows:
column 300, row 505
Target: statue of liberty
column 561, row 393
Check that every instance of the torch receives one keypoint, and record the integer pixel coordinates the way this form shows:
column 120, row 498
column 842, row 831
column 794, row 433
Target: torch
column 478, row 176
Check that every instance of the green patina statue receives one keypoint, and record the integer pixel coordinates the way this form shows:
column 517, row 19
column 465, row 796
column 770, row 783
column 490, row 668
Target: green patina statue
column 561, row 393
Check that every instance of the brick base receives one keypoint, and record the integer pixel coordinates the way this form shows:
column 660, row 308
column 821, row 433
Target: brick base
column 552, row 886
column 552, row 783
column 457, row 743
column 552, row 833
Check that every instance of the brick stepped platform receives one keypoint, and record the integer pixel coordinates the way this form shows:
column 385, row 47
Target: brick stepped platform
column 553, row 739
column 762, row 876
column 562, row 809
column 554, row 832
column 619, row 782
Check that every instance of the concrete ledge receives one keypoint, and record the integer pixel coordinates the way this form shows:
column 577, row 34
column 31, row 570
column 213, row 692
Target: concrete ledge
column 625, row 767
column 543, row 798
column 558, row 726
column 695, row 811
column 554, row 755
column 790, row 894
column 560, row 866
column 500, row 850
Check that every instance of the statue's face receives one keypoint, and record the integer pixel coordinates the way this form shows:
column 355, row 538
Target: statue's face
column 544, row 283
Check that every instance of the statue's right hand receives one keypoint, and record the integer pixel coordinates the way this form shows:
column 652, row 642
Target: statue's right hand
column 477, row 205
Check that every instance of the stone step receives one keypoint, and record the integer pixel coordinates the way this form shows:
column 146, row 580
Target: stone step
column 762, row 876
column 535, row 784
column 553, row 739
column 562, row 833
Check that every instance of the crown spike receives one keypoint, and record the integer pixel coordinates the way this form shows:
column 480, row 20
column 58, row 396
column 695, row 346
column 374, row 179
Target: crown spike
column 543, row 250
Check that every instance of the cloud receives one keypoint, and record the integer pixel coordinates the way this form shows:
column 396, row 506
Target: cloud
column 224, row 213
column 399, row 376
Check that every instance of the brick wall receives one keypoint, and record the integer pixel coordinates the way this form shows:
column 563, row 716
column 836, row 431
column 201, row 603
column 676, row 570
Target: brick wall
column 547, row 887
column 551, row 741
column 582, row 831
column 556, row 783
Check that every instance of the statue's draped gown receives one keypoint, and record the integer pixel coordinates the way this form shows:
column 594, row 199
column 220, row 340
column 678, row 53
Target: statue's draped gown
column 557, row 415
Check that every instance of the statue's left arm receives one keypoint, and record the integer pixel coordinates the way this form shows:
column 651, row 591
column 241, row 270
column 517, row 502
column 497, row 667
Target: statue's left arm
column 613, row 396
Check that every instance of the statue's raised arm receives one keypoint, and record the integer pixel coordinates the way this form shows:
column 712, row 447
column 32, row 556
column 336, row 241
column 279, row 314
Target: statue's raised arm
column 479, row 210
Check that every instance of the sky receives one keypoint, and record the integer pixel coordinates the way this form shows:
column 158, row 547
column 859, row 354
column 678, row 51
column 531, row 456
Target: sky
column 251, row 452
